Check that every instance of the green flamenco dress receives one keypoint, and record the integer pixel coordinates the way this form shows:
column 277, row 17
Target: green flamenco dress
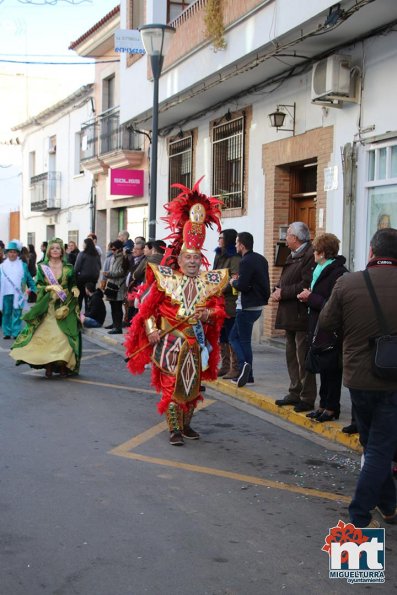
column 52, row 334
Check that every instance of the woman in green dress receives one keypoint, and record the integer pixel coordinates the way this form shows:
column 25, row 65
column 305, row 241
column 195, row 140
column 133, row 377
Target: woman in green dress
column 51, row 338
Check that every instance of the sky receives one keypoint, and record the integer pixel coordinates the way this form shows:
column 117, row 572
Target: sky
column 41, row 31
column 38, row 31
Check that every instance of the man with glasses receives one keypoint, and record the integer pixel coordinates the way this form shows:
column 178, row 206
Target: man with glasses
column 292, row 316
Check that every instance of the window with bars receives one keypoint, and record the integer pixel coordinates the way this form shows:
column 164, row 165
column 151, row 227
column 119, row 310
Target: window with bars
column 228, row 162
column 180, row 164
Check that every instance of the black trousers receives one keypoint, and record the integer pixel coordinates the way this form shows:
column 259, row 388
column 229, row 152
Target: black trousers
column 116, row 308
column 331, row 383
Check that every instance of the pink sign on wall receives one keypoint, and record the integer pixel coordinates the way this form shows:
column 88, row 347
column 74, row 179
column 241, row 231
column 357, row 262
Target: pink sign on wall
column 126, row 182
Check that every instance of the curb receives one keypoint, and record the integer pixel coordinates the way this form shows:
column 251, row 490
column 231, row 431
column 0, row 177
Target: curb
column 103, row 338
column 330, row 430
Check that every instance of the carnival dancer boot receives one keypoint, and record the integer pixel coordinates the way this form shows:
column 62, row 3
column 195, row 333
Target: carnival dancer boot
column 225, row 360
column 188, row 431
column 234, row 368
column 174, row 416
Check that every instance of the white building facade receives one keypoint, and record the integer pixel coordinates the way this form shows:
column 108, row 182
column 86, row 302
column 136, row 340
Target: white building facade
column 57, row 193
column 327, row 66
column 113, row 153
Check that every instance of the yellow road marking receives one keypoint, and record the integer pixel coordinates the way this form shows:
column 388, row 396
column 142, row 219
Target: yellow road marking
column 278, row 485
column 119, row 386
column 125, row 450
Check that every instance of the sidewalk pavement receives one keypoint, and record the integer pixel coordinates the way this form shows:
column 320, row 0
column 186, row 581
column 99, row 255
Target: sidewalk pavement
column 271, row 383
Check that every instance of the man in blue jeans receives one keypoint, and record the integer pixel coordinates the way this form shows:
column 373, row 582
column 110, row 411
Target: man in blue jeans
column 374, row 398
column 253, row 285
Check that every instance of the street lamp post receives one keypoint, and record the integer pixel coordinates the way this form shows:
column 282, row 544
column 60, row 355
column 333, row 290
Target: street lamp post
column 156, row 40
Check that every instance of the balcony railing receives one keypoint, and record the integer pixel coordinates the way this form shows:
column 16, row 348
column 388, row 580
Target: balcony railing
column 105, row 135
column 45, row 191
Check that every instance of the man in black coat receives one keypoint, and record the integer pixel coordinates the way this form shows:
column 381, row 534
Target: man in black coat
column 95, row 312
column 292, row 316
column 253, row 285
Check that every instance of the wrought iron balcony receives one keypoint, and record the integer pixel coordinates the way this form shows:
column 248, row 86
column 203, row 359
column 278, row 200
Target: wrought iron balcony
column 105, row 135
column 45, row 191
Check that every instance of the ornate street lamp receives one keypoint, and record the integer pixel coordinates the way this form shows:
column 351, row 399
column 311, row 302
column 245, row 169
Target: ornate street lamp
column 156, row 40
column 277, row 118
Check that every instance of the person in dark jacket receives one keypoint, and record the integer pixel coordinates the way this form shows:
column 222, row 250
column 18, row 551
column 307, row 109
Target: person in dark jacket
column 95, row 312
column 374, row 398
column 136, row 275
column 87, row 268
column 253, row 285
column 292, row 316
column 71, row 252
column 157, row 253
column 329, row 268
column 32, row 258
column 226, row 257
column 43, row 249
column 117, row 274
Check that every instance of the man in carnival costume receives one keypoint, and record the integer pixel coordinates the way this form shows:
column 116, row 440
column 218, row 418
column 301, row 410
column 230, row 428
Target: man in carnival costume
column 181, row 314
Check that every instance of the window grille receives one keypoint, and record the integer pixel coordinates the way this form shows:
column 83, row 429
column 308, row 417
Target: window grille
column 228, row 162
column 180, row 164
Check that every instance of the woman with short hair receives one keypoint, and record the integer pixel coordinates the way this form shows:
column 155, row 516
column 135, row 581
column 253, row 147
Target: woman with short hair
column 329, row 267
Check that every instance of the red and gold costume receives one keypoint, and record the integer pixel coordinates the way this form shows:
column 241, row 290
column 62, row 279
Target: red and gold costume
column 188, row 350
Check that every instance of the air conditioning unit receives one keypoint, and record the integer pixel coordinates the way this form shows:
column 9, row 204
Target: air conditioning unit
column 331, row 77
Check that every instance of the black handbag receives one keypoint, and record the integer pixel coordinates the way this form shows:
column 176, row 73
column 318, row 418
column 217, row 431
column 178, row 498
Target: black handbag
column 111, row 290
column 384, row 347
column 322, row 357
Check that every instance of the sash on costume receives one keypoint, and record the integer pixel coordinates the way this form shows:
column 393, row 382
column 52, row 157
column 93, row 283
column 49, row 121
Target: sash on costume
column 19, row 292
column 200, row 336
column 53, row 281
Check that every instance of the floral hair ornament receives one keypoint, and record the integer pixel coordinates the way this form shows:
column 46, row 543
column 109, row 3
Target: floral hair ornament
column 189, row 214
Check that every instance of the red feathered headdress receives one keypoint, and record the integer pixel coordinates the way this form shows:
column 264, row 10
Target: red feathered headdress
column 188, row 216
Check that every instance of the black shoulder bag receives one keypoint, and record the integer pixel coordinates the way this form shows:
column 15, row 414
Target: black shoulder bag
column 323, row 357
column 384, row 347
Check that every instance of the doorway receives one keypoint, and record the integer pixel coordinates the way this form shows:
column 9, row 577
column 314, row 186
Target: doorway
column 303, row 194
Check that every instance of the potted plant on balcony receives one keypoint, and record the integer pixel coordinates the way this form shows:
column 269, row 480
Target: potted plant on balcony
column 213, row 20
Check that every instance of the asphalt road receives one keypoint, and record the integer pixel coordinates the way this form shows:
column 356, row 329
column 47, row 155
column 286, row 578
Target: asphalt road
column 94, row 501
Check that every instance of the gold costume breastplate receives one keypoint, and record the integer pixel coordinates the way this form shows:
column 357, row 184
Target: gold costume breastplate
column 189, row 292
